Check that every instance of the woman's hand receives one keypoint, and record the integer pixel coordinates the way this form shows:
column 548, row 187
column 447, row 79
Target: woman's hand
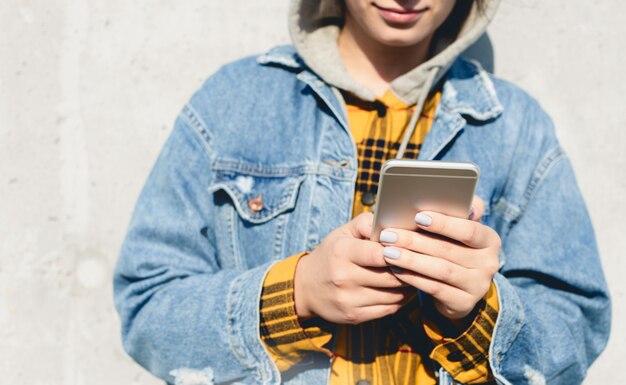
column 452, row 259
column 346, row 279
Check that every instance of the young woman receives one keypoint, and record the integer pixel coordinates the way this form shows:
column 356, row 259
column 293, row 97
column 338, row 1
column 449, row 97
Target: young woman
column 248, row 258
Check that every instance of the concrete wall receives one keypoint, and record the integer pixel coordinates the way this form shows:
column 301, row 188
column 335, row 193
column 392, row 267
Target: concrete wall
column 89, row 91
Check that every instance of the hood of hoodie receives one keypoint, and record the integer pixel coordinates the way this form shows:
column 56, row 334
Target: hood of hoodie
column 314, row 27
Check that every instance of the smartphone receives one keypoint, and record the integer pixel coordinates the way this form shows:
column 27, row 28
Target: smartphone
column 407, row 187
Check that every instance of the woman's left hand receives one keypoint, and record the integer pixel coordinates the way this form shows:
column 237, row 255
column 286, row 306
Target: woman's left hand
column 452, row 259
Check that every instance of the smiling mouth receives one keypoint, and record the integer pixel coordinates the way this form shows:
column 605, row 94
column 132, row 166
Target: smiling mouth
column 401, row 11
column 399, row 15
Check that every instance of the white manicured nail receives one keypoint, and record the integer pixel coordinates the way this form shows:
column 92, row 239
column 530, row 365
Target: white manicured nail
column 423, row 219
column 391, row 253
column 388, row 236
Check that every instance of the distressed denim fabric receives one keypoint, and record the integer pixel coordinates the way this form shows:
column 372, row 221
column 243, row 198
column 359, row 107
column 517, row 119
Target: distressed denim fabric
column 190, row 272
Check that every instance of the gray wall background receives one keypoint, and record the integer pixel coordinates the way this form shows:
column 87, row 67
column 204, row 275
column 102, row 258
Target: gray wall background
column 90, row 89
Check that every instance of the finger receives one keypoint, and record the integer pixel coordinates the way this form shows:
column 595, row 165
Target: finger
column 369, row 313
column 478, row 209
column 361, row 226
column 376, row 278
column 443, row 292
column 470, row 233
column 363, row 252
column 432, row 244
column 367, row 296
column 431, row 267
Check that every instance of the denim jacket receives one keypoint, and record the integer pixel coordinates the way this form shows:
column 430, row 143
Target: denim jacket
column 189, row 276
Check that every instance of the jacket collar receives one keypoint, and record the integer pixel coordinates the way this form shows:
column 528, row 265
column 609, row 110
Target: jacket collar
column 282, row 56
column 467, row 90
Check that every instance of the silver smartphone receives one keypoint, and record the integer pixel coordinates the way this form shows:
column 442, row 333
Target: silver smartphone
column 407, row 187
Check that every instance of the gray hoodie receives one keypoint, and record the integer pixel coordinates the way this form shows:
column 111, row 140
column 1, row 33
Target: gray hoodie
column 314, row 27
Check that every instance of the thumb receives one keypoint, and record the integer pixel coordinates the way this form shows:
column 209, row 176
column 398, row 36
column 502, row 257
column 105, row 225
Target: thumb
column 361, row 226
column 478, row 209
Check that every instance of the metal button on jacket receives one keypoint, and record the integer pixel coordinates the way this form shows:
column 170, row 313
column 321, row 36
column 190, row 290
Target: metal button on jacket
column 256, row 203
column 363, row 382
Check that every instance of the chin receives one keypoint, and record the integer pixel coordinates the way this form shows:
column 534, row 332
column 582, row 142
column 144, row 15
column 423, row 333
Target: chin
column 400, row 38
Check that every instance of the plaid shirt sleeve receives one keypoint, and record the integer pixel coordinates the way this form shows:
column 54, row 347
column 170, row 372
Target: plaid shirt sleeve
column 286, row 339
column 465, row 354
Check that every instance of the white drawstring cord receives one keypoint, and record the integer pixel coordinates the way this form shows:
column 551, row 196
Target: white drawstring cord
column 416, row 114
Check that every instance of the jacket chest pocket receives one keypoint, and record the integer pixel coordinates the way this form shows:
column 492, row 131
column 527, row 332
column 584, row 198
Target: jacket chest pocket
column 253, row 215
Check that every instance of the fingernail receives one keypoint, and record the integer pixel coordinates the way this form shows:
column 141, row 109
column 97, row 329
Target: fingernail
column 423, row 219
column 471, row 214
column 391, row 252
column 396, row 269
column 388, row 236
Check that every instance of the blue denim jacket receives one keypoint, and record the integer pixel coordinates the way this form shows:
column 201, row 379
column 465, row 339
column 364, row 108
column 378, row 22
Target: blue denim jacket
column 189, row 277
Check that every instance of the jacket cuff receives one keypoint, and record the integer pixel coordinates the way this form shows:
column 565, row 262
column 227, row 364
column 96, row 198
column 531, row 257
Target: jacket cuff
column 243, row 325
column 285, row 338
column 464, row 353
column 511, row 318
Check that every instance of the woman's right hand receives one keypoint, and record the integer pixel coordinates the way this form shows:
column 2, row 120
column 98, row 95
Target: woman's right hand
column 346, row 280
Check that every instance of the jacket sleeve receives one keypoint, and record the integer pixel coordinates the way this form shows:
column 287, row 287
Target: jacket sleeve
column 183, row 315
column 554, row 315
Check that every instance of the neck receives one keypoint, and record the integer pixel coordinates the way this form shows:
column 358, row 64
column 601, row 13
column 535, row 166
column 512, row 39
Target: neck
column 376, row 65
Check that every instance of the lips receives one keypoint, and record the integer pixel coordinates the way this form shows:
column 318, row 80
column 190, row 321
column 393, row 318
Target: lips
column 399, row 15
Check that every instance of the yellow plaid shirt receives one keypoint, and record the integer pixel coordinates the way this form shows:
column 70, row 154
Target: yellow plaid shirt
column 400, row 349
